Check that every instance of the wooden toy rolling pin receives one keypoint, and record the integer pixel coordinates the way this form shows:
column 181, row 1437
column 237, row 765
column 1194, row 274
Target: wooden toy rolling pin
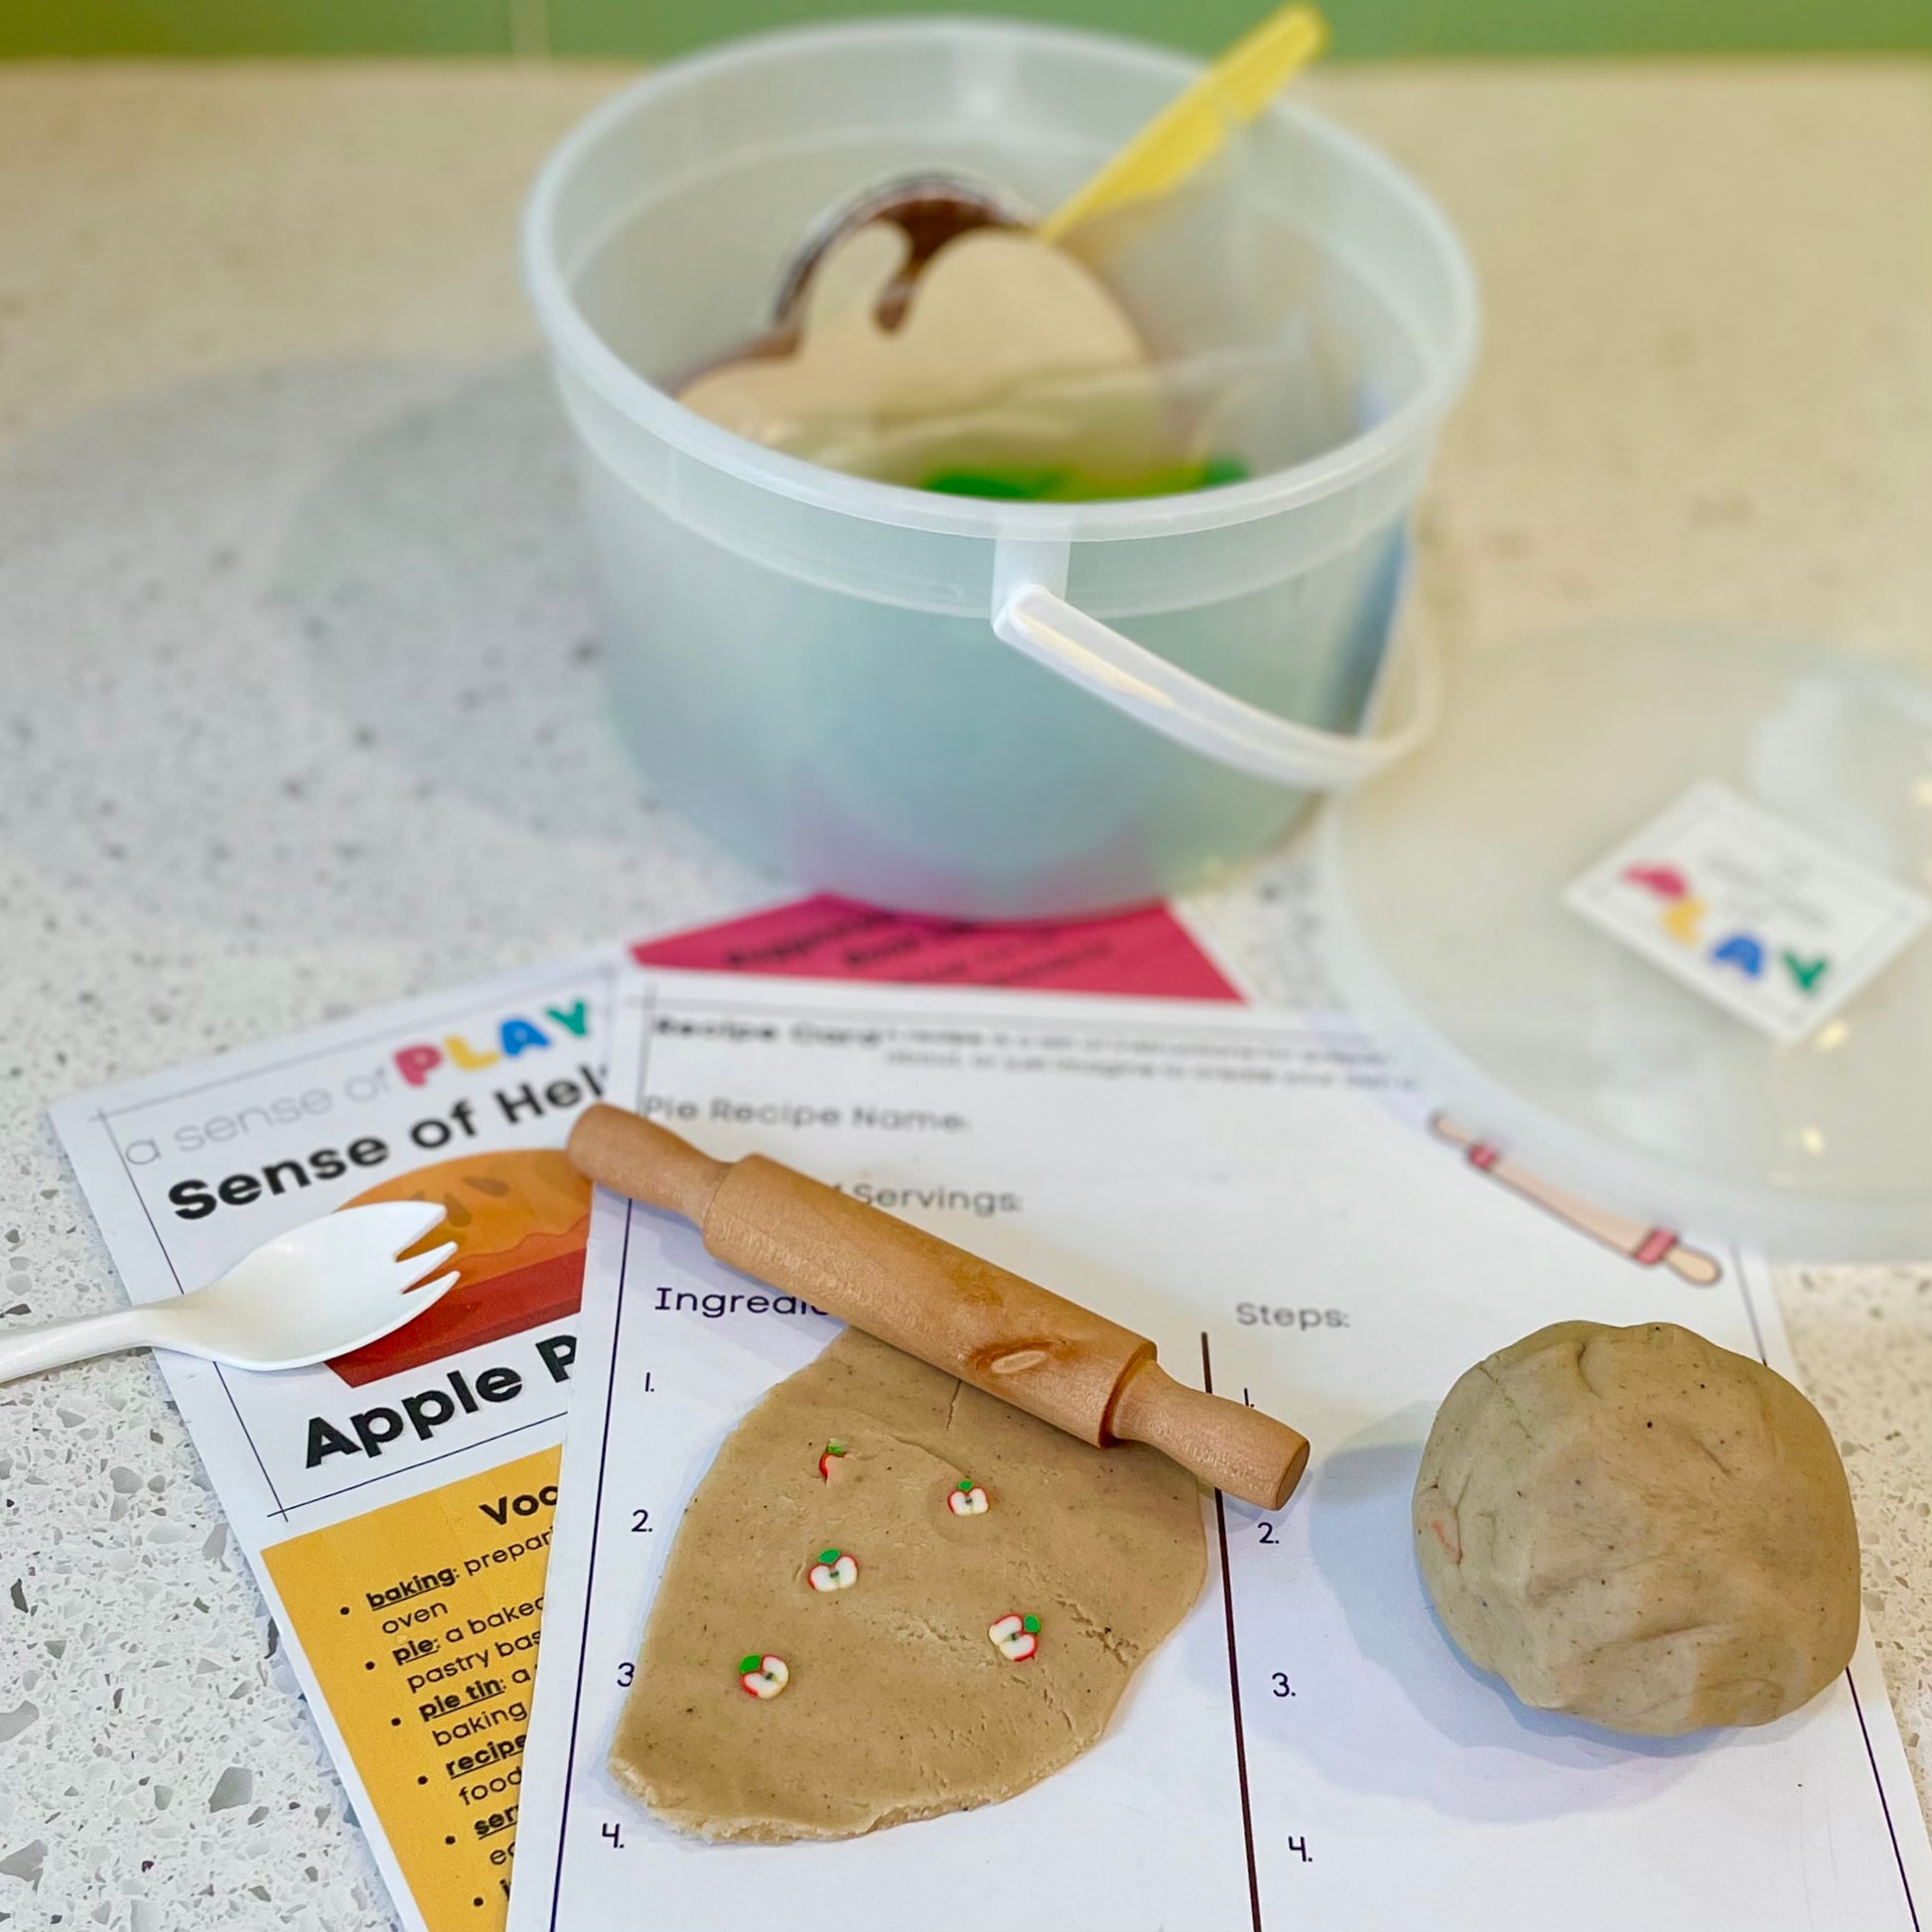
column 1002, row 1333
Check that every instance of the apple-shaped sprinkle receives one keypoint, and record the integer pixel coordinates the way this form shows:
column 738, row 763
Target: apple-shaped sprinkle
column 967, row 1498
column 763, row 1677
column 833, row 1571
column 1016, row 1637
column 833, row 1451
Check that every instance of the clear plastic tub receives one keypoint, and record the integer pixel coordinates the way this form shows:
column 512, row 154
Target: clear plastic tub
column 963, row 707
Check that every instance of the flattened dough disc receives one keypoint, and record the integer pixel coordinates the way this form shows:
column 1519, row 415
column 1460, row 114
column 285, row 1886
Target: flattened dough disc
column 898, row 1705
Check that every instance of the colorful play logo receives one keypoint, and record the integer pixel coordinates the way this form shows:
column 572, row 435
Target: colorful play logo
column 514, row 1035
column 1683, row 913
column 1748, row 911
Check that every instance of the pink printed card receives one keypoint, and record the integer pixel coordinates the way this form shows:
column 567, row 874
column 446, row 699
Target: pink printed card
column 1146, row 954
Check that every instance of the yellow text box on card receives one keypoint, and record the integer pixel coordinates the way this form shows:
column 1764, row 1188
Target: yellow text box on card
column 420, row 1621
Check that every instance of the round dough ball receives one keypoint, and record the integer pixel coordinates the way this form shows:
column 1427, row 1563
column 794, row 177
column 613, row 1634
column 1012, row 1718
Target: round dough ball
column 1638, row 1527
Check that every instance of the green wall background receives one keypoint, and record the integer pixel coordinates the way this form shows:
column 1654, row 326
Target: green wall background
column 646, row 28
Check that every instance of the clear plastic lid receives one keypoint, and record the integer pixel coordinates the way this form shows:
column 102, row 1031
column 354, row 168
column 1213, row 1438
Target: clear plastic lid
column 1446, row 884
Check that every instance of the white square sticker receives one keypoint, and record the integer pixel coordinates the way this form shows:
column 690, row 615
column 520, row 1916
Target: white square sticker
column 1752, row 912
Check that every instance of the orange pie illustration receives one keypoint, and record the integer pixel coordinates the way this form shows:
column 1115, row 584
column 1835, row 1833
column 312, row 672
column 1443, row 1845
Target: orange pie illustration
column 519, row 1222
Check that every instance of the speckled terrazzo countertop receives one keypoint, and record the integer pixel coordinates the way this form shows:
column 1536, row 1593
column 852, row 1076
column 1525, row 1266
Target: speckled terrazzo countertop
column 284, row 551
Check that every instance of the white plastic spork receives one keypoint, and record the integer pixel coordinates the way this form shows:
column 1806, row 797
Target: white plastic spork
column 320, row 1289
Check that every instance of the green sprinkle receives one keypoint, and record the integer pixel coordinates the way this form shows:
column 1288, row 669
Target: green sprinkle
column 828, row 1556
column 1031, row 1624
column 967, row 1484
column 746, row 1665
column 834, row 1449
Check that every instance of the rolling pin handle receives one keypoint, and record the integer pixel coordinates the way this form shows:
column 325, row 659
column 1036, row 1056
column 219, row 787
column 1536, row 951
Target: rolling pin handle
column 650, row 1163
column 942, row 1305
column 1227, row 1445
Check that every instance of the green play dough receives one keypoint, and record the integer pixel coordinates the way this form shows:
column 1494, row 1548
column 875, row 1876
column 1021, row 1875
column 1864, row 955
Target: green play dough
column 1020, row 486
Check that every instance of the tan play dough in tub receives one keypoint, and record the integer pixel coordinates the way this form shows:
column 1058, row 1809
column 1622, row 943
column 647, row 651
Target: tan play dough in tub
column 1638, row 1527
column 1009, row 352
column 906, row 1682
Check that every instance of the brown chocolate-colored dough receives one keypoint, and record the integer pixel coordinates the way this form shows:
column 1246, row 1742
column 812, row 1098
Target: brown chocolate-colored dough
column 897, row 1705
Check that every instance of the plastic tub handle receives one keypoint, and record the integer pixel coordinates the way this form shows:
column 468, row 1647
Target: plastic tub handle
column 1039, row 621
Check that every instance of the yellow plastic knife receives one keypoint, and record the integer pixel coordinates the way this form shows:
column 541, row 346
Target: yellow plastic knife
column 1190, row 130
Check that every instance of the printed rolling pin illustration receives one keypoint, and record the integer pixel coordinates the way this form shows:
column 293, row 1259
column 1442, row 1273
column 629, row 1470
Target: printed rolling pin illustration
column 1647, row 1246
column 1002, row 1333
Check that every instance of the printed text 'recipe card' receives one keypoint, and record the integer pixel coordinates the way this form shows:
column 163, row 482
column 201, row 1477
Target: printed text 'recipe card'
column 1259, row 1195
column 396, row 1503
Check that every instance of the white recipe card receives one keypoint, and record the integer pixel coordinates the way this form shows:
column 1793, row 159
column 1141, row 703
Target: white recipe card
column 1259, row 1195
column 1758, row 917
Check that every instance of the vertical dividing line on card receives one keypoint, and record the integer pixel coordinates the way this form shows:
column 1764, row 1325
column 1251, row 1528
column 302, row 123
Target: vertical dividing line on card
column 1884, row 1803
column 589, row 1573
column 1235, row 1672
column 597, row 1512
column 1850, row 1683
